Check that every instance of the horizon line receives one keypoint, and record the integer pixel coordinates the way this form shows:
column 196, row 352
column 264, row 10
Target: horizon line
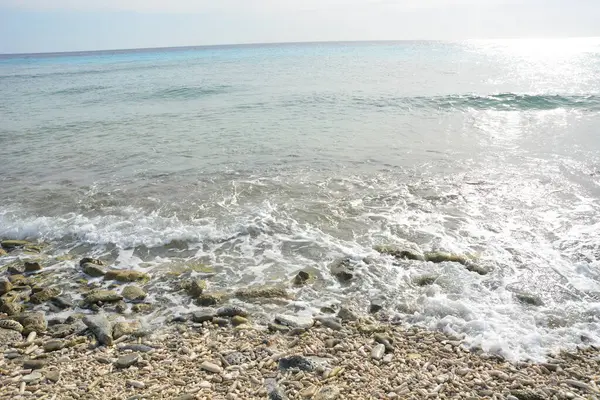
column 258, row 44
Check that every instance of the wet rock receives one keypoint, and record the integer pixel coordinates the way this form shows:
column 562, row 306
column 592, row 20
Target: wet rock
column 32, row 266
column 195, row 287
column 5, row 286
column 64, row 330
column 425, row 280
column 343, row 269
column 62, row 302
column 15, row 269
column 142, row 308
column 329, row 392
column 102, row 296
column 331, row 323
column 231, row 311
column 32, row 322
column 53, row 345
column 10, row 324
column 88, row 260
column 93, row 270
column 295, row 321
column 376, row 305
column 34, row 364
column 262, row 292
column 101, row 327
column 18, row 280
column 204, row 315
column 274, row 392
column 347, row 313
column 8, row 336
column 301, row 278
column 404, row 251
column 44, row 295
column 211, row 367
column 126, row 275
column 133, row 293
column 127, row 360
column 529, row 299
column 3, row 252
column 211, row 299
column 11, row 245
column 123, row 328
column 238, row 320
column 296, row 363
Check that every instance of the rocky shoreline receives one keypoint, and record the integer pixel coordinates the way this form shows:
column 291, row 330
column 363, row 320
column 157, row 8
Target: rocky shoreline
column 92, row 342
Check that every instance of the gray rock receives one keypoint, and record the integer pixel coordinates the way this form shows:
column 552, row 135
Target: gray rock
column 100, row 327
column 53, row 376
column 529, row 299
column 44, row 295
column 10, row 324
column 235, row 358
column 331, row 323
column 64, row 330
column 296, row 363
column 378, row 352
column 140, row 348
column 295, row 321
column 53, row 345
column 93, row 270
column 62, row 302
column 211, row 367
column 102, row 296
column 34, row 364
column 204, row 315
column 133, row 293
column 33, row 322
column 127, row 360
column 347, row 314
column 231, row 311
column 274, row 392
column 32, row 377
column 8, row 336
column 329, row 392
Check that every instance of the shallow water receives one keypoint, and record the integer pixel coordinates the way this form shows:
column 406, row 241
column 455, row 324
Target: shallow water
column 264, row 160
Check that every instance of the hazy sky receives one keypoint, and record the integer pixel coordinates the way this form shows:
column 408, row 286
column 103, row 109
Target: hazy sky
column 63, row 25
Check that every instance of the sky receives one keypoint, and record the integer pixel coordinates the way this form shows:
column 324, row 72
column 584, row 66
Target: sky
column 28, row 26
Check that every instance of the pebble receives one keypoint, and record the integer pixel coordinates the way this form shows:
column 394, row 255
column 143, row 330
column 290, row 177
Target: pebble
column 34, row 364
column 127, row 360
column 53, row 376
column 211, row 367
column 205, row 385
column 53, row 345
column 32, row 377
column 135, row 384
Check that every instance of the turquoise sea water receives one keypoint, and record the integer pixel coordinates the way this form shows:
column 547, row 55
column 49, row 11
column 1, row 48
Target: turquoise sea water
column 264, row 160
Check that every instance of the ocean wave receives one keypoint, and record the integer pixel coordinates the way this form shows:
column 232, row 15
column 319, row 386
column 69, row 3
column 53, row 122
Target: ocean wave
column 187, row 92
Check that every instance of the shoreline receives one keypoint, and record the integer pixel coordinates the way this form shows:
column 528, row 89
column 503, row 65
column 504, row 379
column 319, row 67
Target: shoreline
column 353, row 360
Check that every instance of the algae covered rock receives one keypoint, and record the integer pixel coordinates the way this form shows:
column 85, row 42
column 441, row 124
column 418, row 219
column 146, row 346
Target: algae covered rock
column 89, row 260
column 211, row 299
column 262, row 292
column 404, row 251
column 32, row 266
column 93, row 270
column 120, row 275
column 10, row 245
column 32, row 322
column 441, row 256
column 5, row 286
column 102, row 296
column 123, row 328
column 301, row 278
column 194, row 287
column 133, row 293
column 344, row 269
column 44, row 295
column 142, row 308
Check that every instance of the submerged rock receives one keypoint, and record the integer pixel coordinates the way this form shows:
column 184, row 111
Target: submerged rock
column 89, row 260
column 101, row 327
column 142, row 308
column 529, row 299
column 440, row 257
column 44, row 295
column 262, row 292
column 211, row 299
column 123, row 328
column 126, row 275
column 425, row 280
column 102, row 296
column 404, row 251
column 93, row 270
column 195, row 287
column 133, row 293
column 301, row 278
column 376, row 304
column 32, row 266
column 15, row 244
column 347, row 313
column 343, row 269
column 62, row 302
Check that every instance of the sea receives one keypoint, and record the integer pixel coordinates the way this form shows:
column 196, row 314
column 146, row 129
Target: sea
column 260, row 161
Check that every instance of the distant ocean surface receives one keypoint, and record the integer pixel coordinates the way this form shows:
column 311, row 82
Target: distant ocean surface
column 265, row 160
